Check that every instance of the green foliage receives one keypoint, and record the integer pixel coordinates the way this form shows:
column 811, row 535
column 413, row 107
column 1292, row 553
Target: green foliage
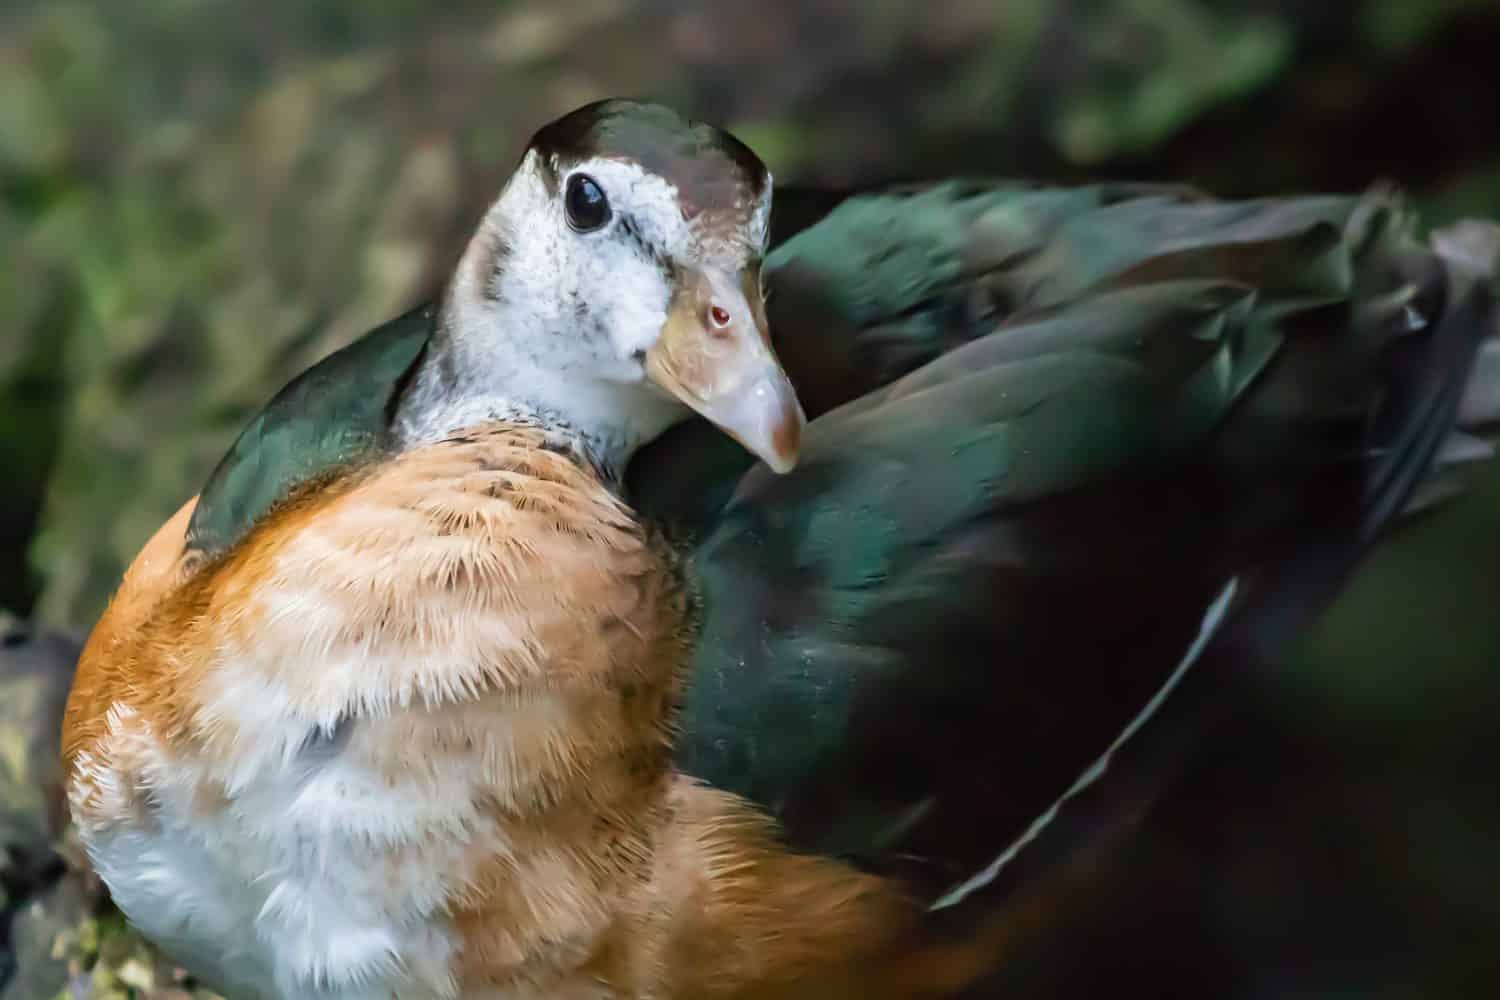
column 1401, row 25
column 1157, row 65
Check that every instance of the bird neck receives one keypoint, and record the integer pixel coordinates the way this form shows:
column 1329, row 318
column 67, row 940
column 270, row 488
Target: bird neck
column 464, row 379
column 520, row 338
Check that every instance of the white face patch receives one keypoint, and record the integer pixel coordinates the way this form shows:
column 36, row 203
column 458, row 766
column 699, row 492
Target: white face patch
column 594, row 299
column 569, row 301
column 543, row 320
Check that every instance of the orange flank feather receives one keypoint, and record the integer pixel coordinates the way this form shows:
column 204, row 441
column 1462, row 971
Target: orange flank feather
column 156, row 571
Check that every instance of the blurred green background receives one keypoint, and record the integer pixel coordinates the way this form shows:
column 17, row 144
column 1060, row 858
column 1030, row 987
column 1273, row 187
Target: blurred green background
column 198, row 198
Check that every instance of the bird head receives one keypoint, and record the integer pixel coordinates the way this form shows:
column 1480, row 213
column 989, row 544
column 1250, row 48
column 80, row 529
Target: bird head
column 616, row 283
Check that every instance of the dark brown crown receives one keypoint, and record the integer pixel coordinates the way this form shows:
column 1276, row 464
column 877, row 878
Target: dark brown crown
column 710, row 168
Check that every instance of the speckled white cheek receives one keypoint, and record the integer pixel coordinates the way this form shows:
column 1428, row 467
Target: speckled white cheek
column 554, row 323
column 597, row 298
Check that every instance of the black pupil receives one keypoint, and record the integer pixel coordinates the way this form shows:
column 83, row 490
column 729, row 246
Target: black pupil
column 587, row 206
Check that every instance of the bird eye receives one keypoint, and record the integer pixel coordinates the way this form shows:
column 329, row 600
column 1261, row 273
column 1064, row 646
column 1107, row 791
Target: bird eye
column 587, row 207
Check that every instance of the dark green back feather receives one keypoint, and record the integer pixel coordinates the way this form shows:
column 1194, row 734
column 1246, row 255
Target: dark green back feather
column 333, row 416
column 1054, row 425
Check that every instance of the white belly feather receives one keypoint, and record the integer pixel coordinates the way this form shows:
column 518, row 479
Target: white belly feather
column 276, row 895
column 372, row 715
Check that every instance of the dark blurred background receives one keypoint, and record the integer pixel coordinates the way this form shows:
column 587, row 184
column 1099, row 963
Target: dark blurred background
column 198, row 198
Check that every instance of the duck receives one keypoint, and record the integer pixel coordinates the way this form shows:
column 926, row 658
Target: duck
column 699, row 601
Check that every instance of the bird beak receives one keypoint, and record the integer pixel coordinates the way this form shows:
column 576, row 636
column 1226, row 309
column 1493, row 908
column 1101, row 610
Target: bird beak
column 714, row 354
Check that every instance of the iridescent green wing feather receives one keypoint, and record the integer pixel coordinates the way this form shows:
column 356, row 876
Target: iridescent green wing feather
column 1128, row 423
column 333, row 416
